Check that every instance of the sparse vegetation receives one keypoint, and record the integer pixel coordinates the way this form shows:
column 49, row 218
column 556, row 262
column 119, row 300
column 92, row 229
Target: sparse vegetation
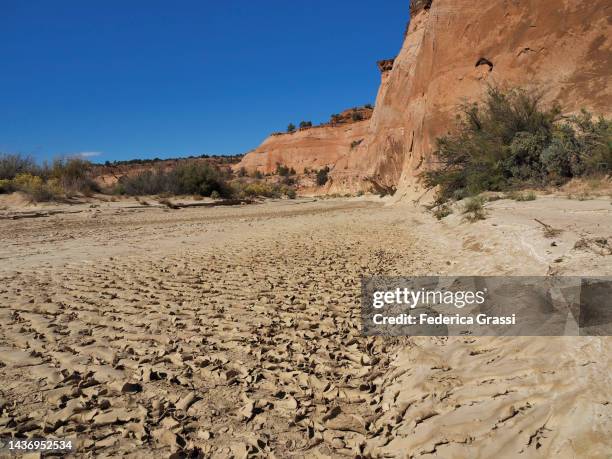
column 549, row 231
column 305, row 124
column 67, row 177
column 187, row 178
column 356, row 116
column 356, row 143
column 510, row 140
column 64, row 178
column 291, row 128
column 442, row 211
column 518, row 196
column 323, row 176
column 13, row 165
column 473, row 209
column 283, row 170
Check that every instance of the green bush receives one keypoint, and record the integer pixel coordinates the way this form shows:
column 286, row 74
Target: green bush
column 282, row 170
column 36, row 187
column 6, row 186
column 511, row 140
column 323, row 176
column 291, row 128
column 195, row 178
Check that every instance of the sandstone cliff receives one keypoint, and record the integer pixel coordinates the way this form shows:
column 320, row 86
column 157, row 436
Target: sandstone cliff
column 452, row 50
column 313, row 147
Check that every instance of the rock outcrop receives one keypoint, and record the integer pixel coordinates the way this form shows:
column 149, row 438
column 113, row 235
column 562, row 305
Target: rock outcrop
column 452, row 51
column 312, row 147
column 455, row 48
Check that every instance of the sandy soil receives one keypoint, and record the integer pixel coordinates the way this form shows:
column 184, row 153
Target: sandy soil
column 228, row 332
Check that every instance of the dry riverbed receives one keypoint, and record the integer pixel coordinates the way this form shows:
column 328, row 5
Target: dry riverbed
column 234, row 331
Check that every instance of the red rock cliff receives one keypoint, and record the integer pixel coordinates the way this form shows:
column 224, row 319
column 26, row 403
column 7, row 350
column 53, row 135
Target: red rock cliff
column 313, row 147
column 452, row 50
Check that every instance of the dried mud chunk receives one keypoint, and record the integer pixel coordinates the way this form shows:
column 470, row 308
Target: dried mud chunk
column 16, row 358
column 167, row 438
column 116, row 415
column 185, row 402
column 125, row 387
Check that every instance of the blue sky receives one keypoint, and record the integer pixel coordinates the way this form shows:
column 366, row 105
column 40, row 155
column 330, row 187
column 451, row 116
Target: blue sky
column 140, row 79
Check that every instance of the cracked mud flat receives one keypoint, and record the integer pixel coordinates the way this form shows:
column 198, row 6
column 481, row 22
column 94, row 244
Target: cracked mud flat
column 234, row 332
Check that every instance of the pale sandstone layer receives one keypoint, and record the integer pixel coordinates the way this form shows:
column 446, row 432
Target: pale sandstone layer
column 452, row 50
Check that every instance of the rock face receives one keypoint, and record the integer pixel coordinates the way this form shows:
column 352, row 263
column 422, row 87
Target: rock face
column 455, row 48
column 452, row 50
column 313, row 147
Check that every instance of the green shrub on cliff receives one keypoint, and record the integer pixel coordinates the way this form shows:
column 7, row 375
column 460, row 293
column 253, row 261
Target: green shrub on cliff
column 510, row 140
column 322, row 176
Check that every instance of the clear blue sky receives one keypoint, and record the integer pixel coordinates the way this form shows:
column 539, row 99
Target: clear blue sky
column 140, row 79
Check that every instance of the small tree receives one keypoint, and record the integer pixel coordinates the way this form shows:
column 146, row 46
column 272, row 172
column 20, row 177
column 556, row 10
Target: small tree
column 282, row 170
column 356, row 116
column 291, row 128
column 305, row 124
column 322, row 176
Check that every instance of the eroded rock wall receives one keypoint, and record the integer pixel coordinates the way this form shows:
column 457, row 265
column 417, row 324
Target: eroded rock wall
column 452, row 50
column 455, row 48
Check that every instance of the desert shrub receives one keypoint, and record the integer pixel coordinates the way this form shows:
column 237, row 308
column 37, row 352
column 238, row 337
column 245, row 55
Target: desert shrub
column 510, row 139
column 73, row 175
column 356, row 116
column 442, row 211
column 291, row 128
column 198, row 178
column 193, row 178
column 215, row 195
column 369, row 106
column 291, row 193
column 323, row 176
column 242, row 172
column 282, row 170
column 289, row 181
column 517, row 196
column 305, row 124
column 6, row 186
column 255, row 189
column 145, row 183
column 12, row 165
column 257, row 175
column 356, row 143
column 36, row 188
column 474, row 210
